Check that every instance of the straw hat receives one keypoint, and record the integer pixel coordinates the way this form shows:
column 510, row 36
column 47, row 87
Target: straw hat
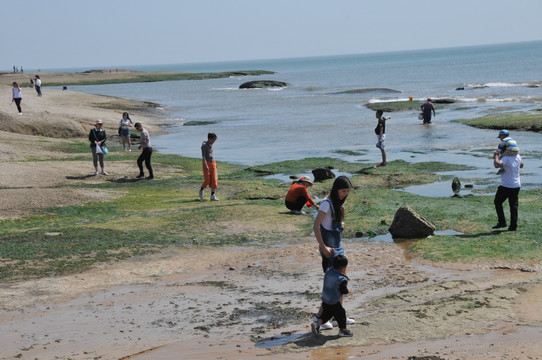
column 305, row 179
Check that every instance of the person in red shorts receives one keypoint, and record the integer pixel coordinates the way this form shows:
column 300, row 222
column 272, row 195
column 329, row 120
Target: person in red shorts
column 210, row 177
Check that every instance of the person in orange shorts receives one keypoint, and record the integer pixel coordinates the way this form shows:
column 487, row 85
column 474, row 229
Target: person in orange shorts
column 298, row 196
column 210, row 177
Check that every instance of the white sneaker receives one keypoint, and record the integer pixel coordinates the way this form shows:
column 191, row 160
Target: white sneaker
column 326, row 326
column 348, row 322
column 214, row 198
column 201, row 194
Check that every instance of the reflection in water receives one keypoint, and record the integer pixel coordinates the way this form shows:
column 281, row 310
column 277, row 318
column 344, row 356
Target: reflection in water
column 438, row 189
column 277, row 340
column 387, row 238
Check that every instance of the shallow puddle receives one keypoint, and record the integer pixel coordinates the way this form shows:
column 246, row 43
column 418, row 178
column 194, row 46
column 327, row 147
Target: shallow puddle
column 278, row 340
column 388, row 238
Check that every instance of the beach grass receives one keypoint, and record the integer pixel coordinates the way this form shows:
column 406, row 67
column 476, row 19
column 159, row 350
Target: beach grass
column 150, row 216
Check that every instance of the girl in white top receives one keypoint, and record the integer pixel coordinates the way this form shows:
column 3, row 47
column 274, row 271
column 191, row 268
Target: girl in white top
column 329, row 221
column 124, row 131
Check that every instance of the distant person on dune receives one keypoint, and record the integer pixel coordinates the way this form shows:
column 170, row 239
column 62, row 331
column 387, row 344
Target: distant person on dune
column 38, row 85
column 17, row 96
column 427, row 108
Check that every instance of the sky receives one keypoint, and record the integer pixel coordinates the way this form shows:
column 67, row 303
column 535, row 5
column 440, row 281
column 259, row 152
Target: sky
column 49, row 34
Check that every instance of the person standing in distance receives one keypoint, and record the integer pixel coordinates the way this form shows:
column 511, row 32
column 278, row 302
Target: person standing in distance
column 146, row 153
column 97, row 139
column 427, row 108
column 509, row 189
column 17, row 96
column 124, row 131
column 380, row 132
column 210, row 177
column 38, row 85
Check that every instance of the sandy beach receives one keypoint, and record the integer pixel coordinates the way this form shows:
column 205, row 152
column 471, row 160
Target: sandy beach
column 166, row 306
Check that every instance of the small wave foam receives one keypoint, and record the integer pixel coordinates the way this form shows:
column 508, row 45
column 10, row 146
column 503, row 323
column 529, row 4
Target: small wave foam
column 225, row 89
column 462, row 99
column 522, row 99
column 497, row 85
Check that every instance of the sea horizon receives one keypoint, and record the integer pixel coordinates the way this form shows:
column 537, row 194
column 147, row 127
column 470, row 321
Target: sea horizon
column 221, row 63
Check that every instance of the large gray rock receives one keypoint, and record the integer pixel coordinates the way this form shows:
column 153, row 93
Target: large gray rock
column 409, row 225
column 259, row 84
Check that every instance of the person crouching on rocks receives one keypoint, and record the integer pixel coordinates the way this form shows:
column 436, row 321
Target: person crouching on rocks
column 298, row 196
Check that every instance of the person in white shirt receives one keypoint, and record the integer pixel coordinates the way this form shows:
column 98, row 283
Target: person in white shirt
column 17, row 96
column 38, row 85
column 509, row 189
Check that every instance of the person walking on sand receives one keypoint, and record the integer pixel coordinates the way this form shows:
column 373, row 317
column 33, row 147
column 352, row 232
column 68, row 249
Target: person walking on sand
column 124, row 131
column 328, row 228
column 146, row 153
column 97, row 139
column 427, row 108
column 17, row 96
column 509, row 189
column 210, row 177
column 38, row 85
column 380, row 131
column 334, row 288
column 298, row 196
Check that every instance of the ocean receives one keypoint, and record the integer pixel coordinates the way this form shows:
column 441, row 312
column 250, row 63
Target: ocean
column 313, row 117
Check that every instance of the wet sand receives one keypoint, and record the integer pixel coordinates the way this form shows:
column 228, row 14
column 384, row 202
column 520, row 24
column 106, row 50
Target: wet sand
column 240, row 303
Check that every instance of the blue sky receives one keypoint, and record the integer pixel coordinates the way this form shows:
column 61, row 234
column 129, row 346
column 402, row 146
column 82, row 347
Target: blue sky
column 44, row 34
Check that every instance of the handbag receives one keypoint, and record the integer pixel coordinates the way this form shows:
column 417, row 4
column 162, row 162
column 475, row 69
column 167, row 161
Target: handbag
column 420, row 116
column 120, row 128
column 100, row 149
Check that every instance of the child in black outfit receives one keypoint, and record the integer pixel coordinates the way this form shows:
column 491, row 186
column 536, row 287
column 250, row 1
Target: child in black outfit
column 335, row 286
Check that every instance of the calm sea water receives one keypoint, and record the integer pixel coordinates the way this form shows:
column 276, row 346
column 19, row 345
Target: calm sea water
column 310, row 118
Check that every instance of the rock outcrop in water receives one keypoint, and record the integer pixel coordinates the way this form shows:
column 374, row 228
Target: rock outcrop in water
column 261, row 84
